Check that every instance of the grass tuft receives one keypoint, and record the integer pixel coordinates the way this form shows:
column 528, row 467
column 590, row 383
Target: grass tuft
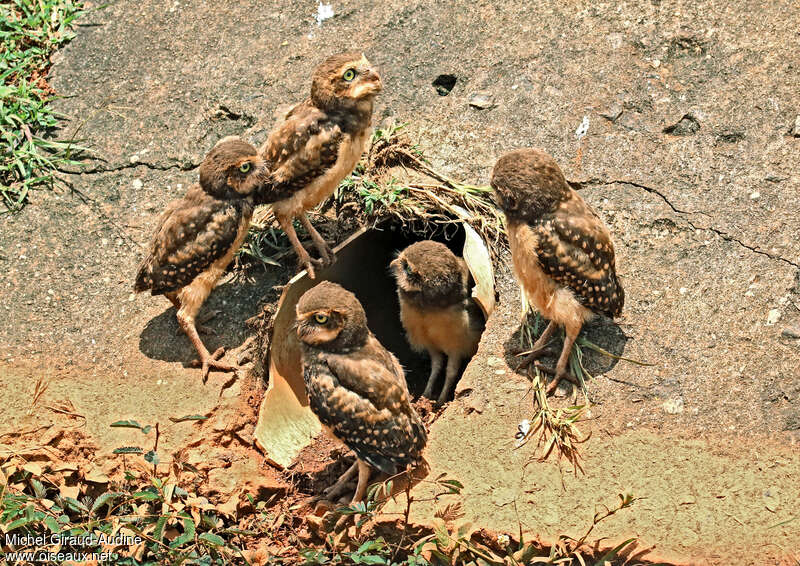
column 30, row 30
column 429, row 204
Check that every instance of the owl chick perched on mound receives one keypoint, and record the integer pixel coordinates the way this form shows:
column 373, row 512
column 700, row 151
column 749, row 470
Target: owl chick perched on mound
column 198, row 235
column 436, row 310
column 356, row 387
column 562, row 252
column 318, row 145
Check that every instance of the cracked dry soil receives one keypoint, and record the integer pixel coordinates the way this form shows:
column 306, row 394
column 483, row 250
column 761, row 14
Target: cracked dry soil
column 705, row 221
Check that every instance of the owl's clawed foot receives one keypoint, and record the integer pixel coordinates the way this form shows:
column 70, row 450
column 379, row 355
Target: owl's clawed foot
column 326, row 253
column 312, row 265
column 209, row 361
column 530, row 357
column 558, row 376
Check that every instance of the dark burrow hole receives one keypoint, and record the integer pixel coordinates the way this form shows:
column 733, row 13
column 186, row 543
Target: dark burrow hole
column 362, row 267
column 444, row 84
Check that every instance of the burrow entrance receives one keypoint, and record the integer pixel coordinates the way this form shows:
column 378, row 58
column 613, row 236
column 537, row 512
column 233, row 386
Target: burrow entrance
column 362, row 267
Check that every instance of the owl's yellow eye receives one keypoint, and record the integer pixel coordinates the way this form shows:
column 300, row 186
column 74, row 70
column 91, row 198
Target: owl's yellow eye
column 349, row 75
column 244, row 167
column 320, row 318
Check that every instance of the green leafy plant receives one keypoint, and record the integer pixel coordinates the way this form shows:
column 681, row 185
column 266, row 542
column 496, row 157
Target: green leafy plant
column 30, row 30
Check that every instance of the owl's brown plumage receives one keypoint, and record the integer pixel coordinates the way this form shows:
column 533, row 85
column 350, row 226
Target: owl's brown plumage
column 355, row 386
column 562, row 252
column 198, row 235
column 318, row 145
column 436, row 310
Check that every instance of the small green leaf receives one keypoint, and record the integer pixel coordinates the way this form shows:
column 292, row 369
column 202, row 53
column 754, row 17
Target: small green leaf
column 75, row 504
column 52, row 524
column 107, row 497
column 187, row 535
column 212, row 539
column 128, row 450
column 152, row 457
column 188, row 418
column 158, row 531
column 126, row 424
column 146, row 496
column 611, row 554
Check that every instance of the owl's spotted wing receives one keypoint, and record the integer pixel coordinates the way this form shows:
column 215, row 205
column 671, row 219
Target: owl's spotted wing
column 574, row 248
column 192, row 234
column 365, row 403
column 298, row 151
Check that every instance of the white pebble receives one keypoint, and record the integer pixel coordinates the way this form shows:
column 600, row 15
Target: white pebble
column 755, row 195
column 138, row 184
column 683, row 290
column 773, row 316
column 673, row 406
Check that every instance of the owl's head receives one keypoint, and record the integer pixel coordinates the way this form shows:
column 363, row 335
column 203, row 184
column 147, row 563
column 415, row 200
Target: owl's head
column 527, row 183
column 331, row 318
column 232, row 169
column 344, row 80
column 428, row 273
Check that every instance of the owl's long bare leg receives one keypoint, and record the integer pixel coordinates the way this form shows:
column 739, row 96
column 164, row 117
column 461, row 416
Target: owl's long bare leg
column 363, row 479
column 191, row 299
column 324, row 249
column 453, row 365
column 341, row 484
column 437, row 359
column 207, row 360
column 539, row 347
column 302, row 254
column 198, row 324
column 561, row 371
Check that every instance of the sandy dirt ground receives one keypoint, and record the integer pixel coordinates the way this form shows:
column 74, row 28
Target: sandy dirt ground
column 690, row 157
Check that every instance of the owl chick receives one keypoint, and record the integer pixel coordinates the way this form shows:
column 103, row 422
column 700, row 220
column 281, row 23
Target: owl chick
column 318, row 145
column 356, row 387
column 562, row 252
column 198, row 235
column 436, row 310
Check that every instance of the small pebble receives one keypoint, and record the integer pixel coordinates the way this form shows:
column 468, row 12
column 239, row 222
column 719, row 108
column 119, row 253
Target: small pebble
column 134, row 158
column 792, row 333
column 656, row 63
column 755, row 195
column 481, row 101
column 773, row 316
column 493, row 361
column 138, row 184
column 683, row 290
column 673, row 406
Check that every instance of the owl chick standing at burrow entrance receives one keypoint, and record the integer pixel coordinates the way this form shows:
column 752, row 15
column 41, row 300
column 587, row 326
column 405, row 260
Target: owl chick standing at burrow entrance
column 356, row 387
column 436, row 310
column 318, row 145
column 198, row 235
column 562, row 252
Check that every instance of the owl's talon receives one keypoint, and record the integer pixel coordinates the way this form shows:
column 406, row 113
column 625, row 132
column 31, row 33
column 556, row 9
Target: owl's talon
column 558, row 376
column 311, row 264
column 529, row 358
column 212, row 361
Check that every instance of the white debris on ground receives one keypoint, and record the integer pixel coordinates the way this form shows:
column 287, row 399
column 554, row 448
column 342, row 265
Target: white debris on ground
column 673, row 406
column 523, row 430
column 583, row 128
column 324, row 12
